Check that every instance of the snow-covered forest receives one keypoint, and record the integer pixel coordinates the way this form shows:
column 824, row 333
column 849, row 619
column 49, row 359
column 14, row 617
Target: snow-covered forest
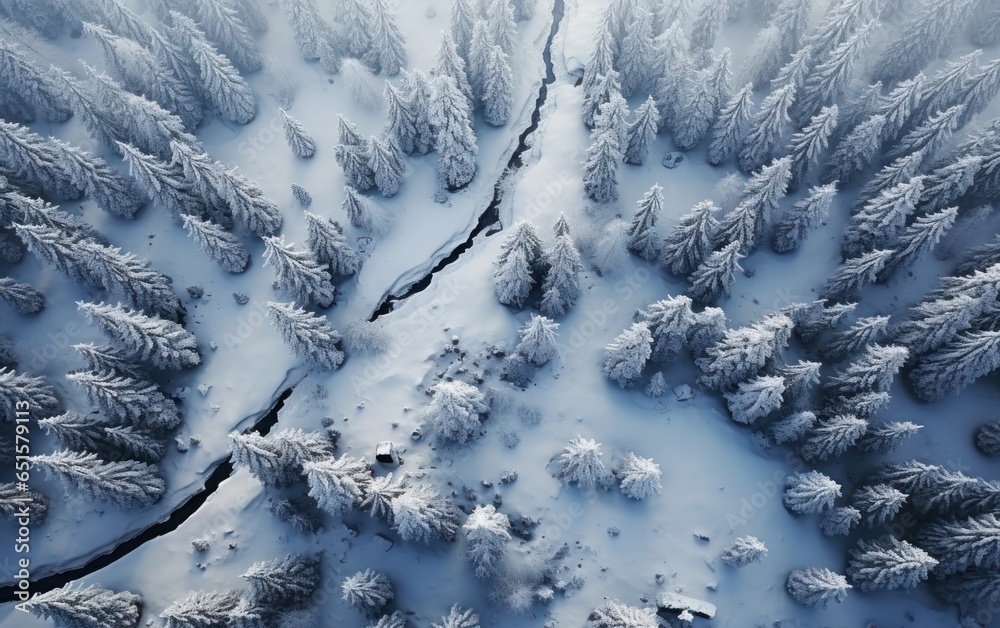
column 460, row 313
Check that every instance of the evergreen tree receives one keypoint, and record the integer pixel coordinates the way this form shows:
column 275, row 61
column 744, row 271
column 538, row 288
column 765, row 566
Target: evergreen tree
column 815, row 318
column 615, row 614
column 128, row 400
column 337, row 484
column 107, row 358
column 863, row 333
column 421, row 514
column 657, row 386
column 898, row 171
column 706, row 26
column 833, row 437
column 127, row 485
column 748, row 223
column 285, row 581
column 743, row 551
column 308, row 27
column 32, row 162
column 402, row 120
column 358, row 26
column 278, row 459
column 810, row 492
column 928, row 34
column 32, row 87
column 580, row 463
column 979, row 91
column 367, row 591
column 299, row 140
column 949, row 182
column 223, row 26
column 388, row 46
column 220, row 245
column 487, row 533
column 888, row 564
column 838, row 22
column 672, row 66
column 755, row 398
column 872, row 371
column 98, row 180
column 458, row 617
column 202, row 609
column 455, row 139
column 899, row 106
column 538, row 340
column 419, row 96
column 799, row 378
column 641, row 132
column 626, row 356
column 957, row 364
column 327, row 242
column 925, row 232
column 742, row 352
column 131, row 277
column 669, row 321
column 845, row 284
column 161, row 182
column 793, row 427
column 839, row 521
column 930, row 135
column 480, row 47
column 817, row 587
column 707, row 329
column 298, row 272
column 223, row 85
column 970, row 586
column 498, row 87
column 365, row 213
column 642, row 233
column 21, row 296
column 520, row 255
column 59, row 249
column 804, row 216
column 463, row 19
column 163, row 343
column 856, row 151
column 561, row 285
column 639, row 477
column 449, row 61
column 766, row 127
column 807, row 145
column 885, row 437
column 20, row 387
column 311, row 337
column 379, row 495
column 455, row 410
column 636, row 54
column 691, row 240
column 86, row 607
column 728, row 130
column 386, row 163
column 879, row 503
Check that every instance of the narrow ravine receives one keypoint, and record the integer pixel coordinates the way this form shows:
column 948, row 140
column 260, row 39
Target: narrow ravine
column 489, row 222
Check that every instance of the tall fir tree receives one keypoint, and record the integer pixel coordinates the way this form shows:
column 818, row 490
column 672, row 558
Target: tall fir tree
column 311, row 336
column 298, row 272
column 715, row 277
column 454, row 138
column 561, row 285
column 957, row 364
column 928, row 34
column 727, row 133
column 449, row 62
column 327, row 242
column 86, row 607
column 804, row 216
column 883, row 217
column 386, row 162
column 387, row 53
column 164, row 344
column 498, row 88
column 854, row 274
column 766, row 129
column 641, row 132
column 128, row 485
column 691, row 240
column 298, row 139
column 221, row 246
column 856, row 151
column 831, row 75
column 643, row 239
column 807, row 145
column 223, row 26
column 922, row 235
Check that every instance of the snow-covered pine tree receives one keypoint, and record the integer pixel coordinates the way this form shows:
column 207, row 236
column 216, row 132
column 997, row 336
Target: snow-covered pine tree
column 957, row 364
column 748, row 222
column 98, row 180
column 503, row 29
column 639, row 477
column 930, row 135
column 657, row 386
column 766, row 128
column 478, row 57
column 387, row 53
column 714, row 278
column 979, row 91
column 834, row 436
column 755, row 398
column 878, row 503
column 20, row 387
column 311, row 336
column 863, row 333
column 636, row 54
column 107, row 358
column 615, row 614
column 988, row 438
column 807, row 145
column 220, row 245
column 670, row 74
column 421, row 514
column 129, row 400
column 949, row 182
column 402, row 126
column 839, row 521
column 817, row 587
column 856, row 151
column 900, row 105
column 30, row 161
column 386, row 163
column 922, row 235
column 810, row 492
column 463, row 18
column 86, row 607
column 604, row 154
column 643, row 239
column 743, row 352
column 131, row 277
column 327, row 242
column 202, row 609
column 285, row 581
column 805, row 215
column 698, row 108
column 970, row 586
column 354, row 160
column 930, row 33
column 163, row 343
column 450, row 62
column 885, row 437
column 641, row 132
column 358, row 27
column 497, row 87
column 21, row 296
column 278, row 459
column 32, row 87
column 799, row 379
column 888, row 564
column 225, row 88
column 337, row 484
column 561, row 285
column 933, row 323
column 59, row 248
column 963, row 545
column 298, row 273
column 855, row 273
column 365, row 213
column 12, row 500
column 669, row 321
column 580, row 463
column 487, row 533
column 458, row 617
column 379, row 494
column 832, row 73
column 743, row 551
column 839, row 21
column 728, row 131
column 162, row 182
column 538, row 340
column 223, row 26
column 128, row 485
column 872, row 371
column 299, row 140
column 898, row 171
column 691, row 240
column 793, row 427
column 454, row 138
column 455, row 409
column 626, row 356
column 418, row 95
column 707, row 24
column 816, row 317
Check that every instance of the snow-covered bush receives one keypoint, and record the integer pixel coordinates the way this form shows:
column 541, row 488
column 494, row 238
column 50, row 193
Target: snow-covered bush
column 657, row 386
column 580, row 463
column 458, row 617
column 367, row 591
column 810, row 492
column 743, row 551
column 639, row 477
column 455, row 409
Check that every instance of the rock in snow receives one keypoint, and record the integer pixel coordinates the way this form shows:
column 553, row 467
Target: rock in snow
column 676, row 603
